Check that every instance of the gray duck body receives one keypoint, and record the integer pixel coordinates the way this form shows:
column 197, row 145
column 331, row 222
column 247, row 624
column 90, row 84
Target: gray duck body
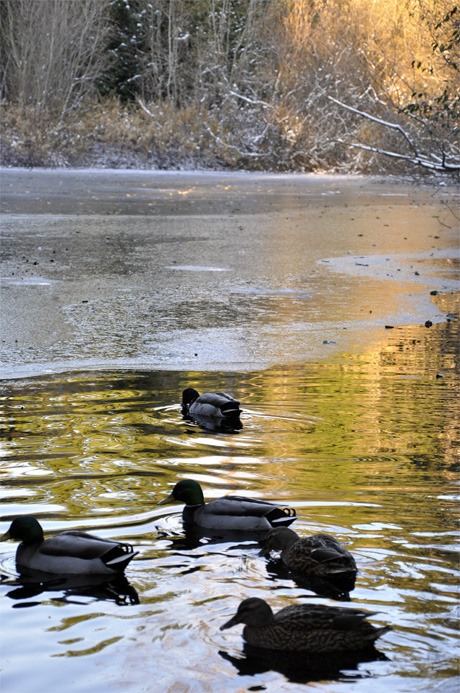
column 230, row 513
column 210, row 405
column 236, row 513
column 67, row 553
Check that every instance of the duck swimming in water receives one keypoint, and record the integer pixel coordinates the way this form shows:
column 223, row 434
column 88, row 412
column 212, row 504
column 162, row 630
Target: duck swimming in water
column 305, row 627
column 319, row 555
column 217, row 408
column 230, row 513
column 67, row 553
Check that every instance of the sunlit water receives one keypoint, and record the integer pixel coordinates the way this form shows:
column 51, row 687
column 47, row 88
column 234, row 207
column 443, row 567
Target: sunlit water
column 364, row 447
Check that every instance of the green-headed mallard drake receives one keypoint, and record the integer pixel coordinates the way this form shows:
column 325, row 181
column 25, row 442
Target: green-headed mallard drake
column 305, row 627
column 230, row 513
column 319, row 555
column 217, row 406
column 67, row 553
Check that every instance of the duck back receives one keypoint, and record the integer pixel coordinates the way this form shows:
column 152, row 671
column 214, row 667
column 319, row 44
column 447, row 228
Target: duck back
column 239, row 514
column 75, row 553
column 318, row 629
column 319, row 555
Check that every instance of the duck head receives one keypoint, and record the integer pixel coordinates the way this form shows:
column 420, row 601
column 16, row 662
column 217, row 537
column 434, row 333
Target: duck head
column 253, row 612
column 278, row 539
column 189, row 395
column 186, row 491
column 26, row 529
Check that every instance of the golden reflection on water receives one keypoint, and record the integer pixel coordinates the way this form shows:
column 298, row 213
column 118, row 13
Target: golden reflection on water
column 92, row 430
column 364, row 447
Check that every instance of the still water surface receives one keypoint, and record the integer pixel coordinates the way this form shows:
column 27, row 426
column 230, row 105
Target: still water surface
column 363, row 446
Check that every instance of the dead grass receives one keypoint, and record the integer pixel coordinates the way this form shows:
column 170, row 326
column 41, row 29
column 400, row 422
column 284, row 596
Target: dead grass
column 112, row 135
column 108, row 134
column 255, row 101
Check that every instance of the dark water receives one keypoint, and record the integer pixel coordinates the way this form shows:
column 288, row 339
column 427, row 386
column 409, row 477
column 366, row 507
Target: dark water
column 363, row 446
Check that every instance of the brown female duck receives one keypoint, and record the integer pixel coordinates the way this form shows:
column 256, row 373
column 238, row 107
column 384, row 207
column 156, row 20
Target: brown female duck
column 305, row 627
column 319, row 555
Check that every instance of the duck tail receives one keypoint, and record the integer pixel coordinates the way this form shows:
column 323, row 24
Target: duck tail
column 336, row 561
column 231, row 415
column 118, row 557
column 231, row 409
column 281, row 517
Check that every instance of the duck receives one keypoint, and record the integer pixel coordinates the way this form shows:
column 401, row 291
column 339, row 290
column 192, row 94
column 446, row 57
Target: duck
column 230, row 513
column 319, row 555
column 211, row 406
column 311, row 628
column 67, row 553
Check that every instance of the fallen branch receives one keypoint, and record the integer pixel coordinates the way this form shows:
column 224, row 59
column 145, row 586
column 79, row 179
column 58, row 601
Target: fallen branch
column 432, row 162
column 253, row 102
column 418, row 160
column 145, row 109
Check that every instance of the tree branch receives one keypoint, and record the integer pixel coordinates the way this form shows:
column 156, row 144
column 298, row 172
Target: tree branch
column 253, row 102
column 232, row 146
column 433, row 162
column 394, row 126
column 144, row 108
column 418, row 160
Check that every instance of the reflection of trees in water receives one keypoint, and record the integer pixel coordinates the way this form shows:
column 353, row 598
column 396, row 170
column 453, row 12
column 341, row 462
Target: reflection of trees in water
column 85, row 433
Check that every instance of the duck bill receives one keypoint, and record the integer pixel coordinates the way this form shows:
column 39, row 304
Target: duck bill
column 233, row 621
column 5, row 536
column 168, row 499
column 264, row 552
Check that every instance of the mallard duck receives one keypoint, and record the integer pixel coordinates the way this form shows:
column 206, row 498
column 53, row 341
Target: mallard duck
column 319, row 555
column 67, row 553
column 217, row 406
column 231, row 513
column 305, row 627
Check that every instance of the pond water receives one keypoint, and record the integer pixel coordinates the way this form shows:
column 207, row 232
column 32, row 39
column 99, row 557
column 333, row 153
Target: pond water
column 363, row 448
column 360, row 436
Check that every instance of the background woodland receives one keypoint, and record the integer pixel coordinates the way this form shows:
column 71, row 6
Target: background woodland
column 280, row 85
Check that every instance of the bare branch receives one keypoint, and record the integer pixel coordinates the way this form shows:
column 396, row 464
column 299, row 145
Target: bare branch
column 432, row 161
column 418, row 160
column 253, row 102
column 144, row 108
column 394, row 126
column 232, row 146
